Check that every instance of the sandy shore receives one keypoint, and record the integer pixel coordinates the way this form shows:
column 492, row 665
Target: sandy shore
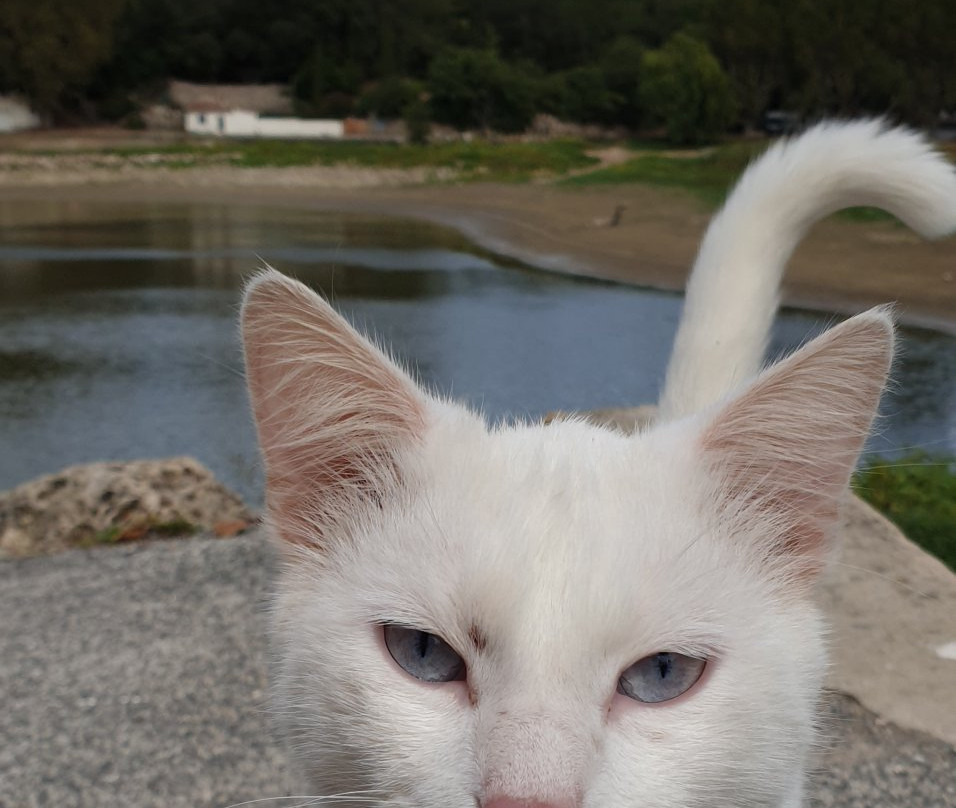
column 842, row 266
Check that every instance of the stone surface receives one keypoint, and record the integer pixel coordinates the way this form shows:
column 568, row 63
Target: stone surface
column 106, row 502
column 136, row 676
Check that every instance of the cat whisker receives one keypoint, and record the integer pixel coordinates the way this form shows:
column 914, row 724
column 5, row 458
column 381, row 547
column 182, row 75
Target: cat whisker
column 306, row 800
column 888, row 578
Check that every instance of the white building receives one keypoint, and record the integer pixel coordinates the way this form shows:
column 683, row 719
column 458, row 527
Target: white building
column 16, row 115
column 208, row 120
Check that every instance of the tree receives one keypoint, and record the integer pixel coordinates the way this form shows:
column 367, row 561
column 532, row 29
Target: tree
column 621, row 64
column 685, row 88
column 475, row 88
column 389, row 98
column 50, row 48
column 417, row 119
column 750, row 37
column 581, row 94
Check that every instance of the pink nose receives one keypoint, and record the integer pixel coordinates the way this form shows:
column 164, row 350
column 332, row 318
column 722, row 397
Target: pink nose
column 507, row 802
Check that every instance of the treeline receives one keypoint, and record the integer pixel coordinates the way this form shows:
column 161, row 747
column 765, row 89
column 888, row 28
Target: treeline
column 696, row 67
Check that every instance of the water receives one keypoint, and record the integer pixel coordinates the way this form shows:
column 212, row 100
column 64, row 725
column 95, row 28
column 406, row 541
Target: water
column 118, row 337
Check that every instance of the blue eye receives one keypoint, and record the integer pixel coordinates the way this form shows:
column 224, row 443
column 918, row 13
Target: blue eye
column 422, row 655
column 660, row 677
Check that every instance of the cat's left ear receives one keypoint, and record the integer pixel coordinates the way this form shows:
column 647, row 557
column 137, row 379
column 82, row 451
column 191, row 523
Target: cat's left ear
column 782, row 451
column 333, row 412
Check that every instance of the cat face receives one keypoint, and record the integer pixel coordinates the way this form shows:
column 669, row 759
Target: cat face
column 547, row 615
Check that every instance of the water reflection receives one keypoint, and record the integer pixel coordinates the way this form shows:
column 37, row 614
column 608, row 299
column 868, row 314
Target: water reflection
column 118, row 340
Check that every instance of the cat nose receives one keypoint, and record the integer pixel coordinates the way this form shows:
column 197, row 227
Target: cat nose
column 508, row 802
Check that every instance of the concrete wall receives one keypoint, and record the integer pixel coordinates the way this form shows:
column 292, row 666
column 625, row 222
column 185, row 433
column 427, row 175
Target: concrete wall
column 241, row 123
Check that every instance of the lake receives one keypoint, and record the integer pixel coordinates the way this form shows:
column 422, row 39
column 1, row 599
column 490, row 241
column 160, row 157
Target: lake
column 118, row 334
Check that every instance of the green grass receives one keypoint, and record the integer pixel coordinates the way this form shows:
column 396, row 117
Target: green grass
column 479, row 159
column 918, row 493
column 708, row 174
column 116, row 533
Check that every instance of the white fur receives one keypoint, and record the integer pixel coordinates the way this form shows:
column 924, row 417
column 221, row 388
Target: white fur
column 572, row 550
column 732, row 292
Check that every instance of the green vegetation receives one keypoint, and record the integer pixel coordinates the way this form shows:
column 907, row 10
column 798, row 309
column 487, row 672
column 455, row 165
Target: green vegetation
column 685, row 89
column 707, row 173
column 701, row 67
column 918, row 493
column 116, row 533
column 49, row 50
column 474, row 88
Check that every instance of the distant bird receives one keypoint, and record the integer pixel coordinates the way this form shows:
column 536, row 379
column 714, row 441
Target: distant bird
column 614, row 220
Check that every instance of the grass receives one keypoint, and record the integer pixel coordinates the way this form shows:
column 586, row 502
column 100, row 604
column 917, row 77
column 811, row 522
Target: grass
column 708, row 174
column 479, row 159
column 918, row 493
column 115, row 533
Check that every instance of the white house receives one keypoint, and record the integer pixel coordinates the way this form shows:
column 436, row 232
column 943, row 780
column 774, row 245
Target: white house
column 16, row 115
column 209, row 120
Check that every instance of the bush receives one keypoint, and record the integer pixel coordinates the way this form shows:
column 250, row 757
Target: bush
column 581, row 95
column 622, row 64
column 323, row 89
column 417, row 121
column 476, row 89
column 685, row 88
column 389, row 98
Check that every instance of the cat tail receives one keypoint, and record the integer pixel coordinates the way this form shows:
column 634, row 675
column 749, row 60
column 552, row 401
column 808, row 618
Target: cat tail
column 732, row 292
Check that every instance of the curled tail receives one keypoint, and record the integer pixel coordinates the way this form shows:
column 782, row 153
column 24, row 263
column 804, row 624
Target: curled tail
column 733, row 289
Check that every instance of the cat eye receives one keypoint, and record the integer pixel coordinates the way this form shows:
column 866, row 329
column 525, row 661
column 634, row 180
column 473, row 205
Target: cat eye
column 660, row 677
column 422, row 655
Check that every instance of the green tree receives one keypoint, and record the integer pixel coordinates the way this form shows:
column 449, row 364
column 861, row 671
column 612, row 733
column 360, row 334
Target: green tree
column 417, row 119
column 476, row 89
column 621, row 64
column 389, row 98
column 580, row 94
column 750, row 37
column 49, row 49
column 685, row 89
column 839, row 56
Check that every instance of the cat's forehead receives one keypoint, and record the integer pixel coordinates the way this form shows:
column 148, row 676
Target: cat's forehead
column 561, row 525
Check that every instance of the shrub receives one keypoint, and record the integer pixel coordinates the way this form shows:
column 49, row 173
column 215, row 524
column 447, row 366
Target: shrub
column 580, row 94
column 685, row 88
column 417, row 121
column 622, row 64
column 389, row 98
column 476, row 89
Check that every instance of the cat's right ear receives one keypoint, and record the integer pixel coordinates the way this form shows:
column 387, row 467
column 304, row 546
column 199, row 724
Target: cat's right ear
column 783, row 449
column 334, row 414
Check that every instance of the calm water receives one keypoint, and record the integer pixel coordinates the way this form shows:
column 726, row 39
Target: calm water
column 118, row 335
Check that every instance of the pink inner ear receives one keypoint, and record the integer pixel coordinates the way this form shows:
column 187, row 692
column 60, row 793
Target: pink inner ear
column 333, row 412
column 783, row 451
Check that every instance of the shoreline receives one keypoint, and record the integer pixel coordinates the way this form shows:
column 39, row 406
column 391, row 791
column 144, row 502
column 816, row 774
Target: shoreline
column 840, row 267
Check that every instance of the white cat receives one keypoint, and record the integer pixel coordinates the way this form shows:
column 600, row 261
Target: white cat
column 562, row 616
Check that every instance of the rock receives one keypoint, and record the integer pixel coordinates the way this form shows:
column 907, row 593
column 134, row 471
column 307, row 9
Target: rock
column 116, row 501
